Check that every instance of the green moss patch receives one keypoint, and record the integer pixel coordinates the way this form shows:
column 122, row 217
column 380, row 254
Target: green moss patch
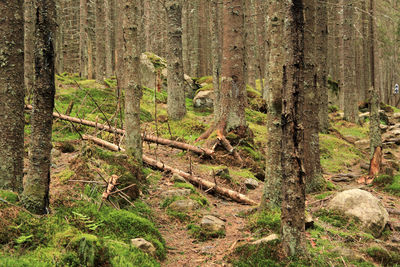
column 9, row 196
column 202, row 235
column 265, row 222
column 394, row 186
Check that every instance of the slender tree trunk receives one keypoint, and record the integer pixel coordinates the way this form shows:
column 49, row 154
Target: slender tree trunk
column 11, row 94
column 250, row 45
column 100, row 41
column 233, row 91
column 119, row 44
column 29, row 28
column 216, row 55
column 194, row 38
column 133, row 90
column 83, row 47
column 276, row 63
column 108, row 39
column 176, row 90
column 91, row 43
column 36, row 187
column 293, row 183
column 59, row 37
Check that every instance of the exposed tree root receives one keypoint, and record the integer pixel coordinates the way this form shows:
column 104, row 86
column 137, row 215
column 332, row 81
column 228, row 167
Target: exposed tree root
column 206, row 185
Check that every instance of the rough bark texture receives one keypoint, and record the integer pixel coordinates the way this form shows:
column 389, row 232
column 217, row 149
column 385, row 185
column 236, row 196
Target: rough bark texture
column 349, row 86
column 108, row 31
column 176, row 89
column 233, row 91
column 35, row 197
column 100, row 41
column 133, row 90
column 29, row 62
column 83, row 36
column 119, row 43
column 11, row 94
column 216, row 55
column 322, row 71
column 293, row 182
column 273, row 171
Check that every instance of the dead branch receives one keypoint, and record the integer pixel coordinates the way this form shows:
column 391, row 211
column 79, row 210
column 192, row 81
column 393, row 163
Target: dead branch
column 192, row 179
column 111, row 184
column 376, row 163
column 228, row 146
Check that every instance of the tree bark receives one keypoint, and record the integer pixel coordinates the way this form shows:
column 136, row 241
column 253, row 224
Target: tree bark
column 35, row 197
column 100, row 41
column 293, row 182
column 176, row 89
column 12, row 94
column 108, row 30
column 133, row 90
column 83, row 39
column 29, row 28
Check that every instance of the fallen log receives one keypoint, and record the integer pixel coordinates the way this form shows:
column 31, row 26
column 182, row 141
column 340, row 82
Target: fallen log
column 146, row 137
column 207, row 185
column 111, row 184
column 228, row 146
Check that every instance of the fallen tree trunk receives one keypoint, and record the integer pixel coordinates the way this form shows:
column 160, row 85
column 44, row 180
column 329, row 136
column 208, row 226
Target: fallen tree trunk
column 207, row 185
column 228, row 146
column 146, row 137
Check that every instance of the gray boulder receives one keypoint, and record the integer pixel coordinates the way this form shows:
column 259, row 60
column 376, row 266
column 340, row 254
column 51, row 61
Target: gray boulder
column 364, row 206
column 251, row 183
column 184, row 205
column 144, row 245
column 204, row 99
column 175, row 193
column 212, row 224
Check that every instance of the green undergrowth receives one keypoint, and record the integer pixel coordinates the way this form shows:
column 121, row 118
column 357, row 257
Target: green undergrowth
column 8, row 196
column 394, row 186
column 336, row 154
column 352, row 130
column 265, row 222
column 202, row 235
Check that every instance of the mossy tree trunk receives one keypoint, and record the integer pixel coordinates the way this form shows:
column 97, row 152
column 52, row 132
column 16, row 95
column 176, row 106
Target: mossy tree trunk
column 11, row 94
column 35, row 197
column 100, row 41
column 293, row 182
column 29, row 27
column 276, row 63
column 216, row 55
column 176, row 89
column 131, row 77
column 233, row 90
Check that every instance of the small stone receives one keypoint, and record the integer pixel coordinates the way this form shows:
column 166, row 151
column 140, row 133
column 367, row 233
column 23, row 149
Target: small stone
column 204, row 99
column 309, row 221
column 144, row 245
column 176, row 178
column 55, row 153
column 251, row 183
column 206, row 249
column 266, row 239
column 184, row 205
column 212, row 223
column 175, row 193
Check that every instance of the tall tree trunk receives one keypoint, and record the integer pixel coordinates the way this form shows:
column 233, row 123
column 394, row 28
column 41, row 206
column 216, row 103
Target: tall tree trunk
column 374, row 129
column 83, row 47
column 233, row 91
column 176, row 90
column 322, row 67
column 108, row 30
column 11, row 94
column 91, row 20
column 36, row 187
column 29, row 28
column 100, row 41
column 132, row 79
column 194, row 38
column 119, row 43
column 349, row 86
column 59, row 65
column 250, row 45
column 276, row 63
column 293, row 182
column 216, row 55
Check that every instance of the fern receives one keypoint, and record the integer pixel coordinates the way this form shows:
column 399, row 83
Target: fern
column 87, row 222
column 23, row 238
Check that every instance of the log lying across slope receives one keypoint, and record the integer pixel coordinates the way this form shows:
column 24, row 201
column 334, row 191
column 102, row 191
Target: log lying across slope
column 192, row 179
column 146, row 137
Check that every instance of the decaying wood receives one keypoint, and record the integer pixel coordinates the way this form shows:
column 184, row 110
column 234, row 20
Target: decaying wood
column 110, row 187
column 147, row 137
column 228, row 146
column 376, row 163
column 192, row 179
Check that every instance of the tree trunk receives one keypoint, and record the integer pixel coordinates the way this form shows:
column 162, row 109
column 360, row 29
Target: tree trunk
column 12, row 94
column 108, row 30
column 83, row 47
column 176, row 90
column 216, row 55
column 276, row 63
column 100, row 41
column 133, row 90
column 29, row 28
column 35, row 197
column 293, row 182
column 233, row 89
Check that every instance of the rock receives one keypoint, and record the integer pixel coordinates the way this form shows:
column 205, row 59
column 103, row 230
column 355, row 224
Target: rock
column 266, row 239
column 347, row 177
column 204, row 99
column 176, row 178
column 175, row 193
column 251, row 183
column 212, row 224
column 362, row 144
column 206, row 249
column 362, row 205
column 184, row 205
column 144, row 245
column 309, row 221
column 364, row 166
column 55, row 153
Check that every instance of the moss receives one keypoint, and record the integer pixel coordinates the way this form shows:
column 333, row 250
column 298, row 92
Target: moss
column 202, row 235
column 394, row 187
column 337, row 219
column 205, row 79
column 258, row 255
column 65, row 175
column 383, row 180
column 186, row 186
column 9, row 196
column 181, row 216
column 256, row 117
column 265, row 222
column 324, row 195
column 333, row 109
column 352, row 130
column 121, row 254
column 383, row 256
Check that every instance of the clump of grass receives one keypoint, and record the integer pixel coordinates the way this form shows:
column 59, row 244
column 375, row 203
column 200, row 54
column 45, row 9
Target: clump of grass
column 324, row 195
column 265, row 222
column 9, row 196
column 394, row 187
column 65, row 175
column 383, row 256
column 337, row 219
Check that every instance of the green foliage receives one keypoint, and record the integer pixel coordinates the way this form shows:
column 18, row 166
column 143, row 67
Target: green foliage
column 9, row 196
column 333, row 108
column 324, row 195
column 333, row 85
column 205, row 79
column 121, row 254
column 265, row 222
column 352, row 130
column 65, row 175
column 186, row 186
column 258, row 255
column 202, row 235
column 383, row 180
column 394, row 187
column 383, row 256
column 337, row 219
column 256, row 117
column 181, row 216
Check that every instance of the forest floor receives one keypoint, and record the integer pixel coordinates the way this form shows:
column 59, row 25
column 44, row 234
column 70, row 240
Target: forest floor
column 79, row 167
